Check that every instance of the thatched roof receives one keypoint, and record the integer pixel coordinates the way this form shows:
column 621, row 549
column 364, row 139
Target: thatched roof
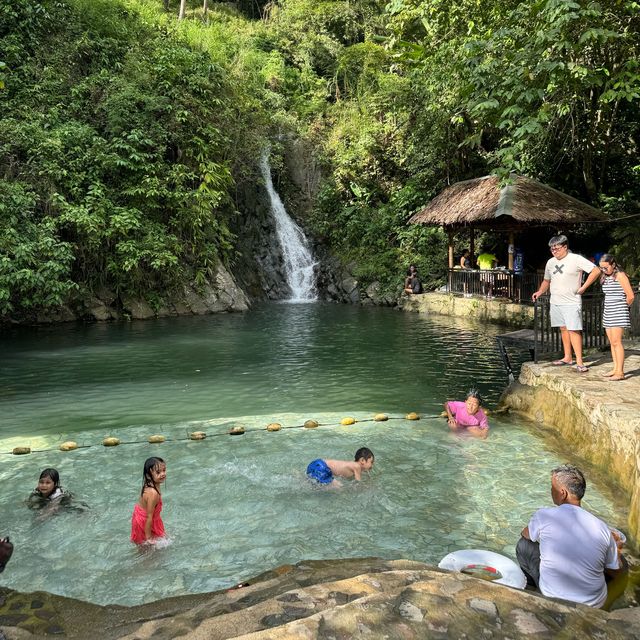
column 525, row 202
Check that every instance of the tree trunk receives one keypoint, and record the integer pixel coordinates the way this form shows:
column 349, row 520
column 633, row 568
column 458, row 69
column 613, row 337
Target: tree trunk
column 205, row 8
column 183, row 8
column 166, row 5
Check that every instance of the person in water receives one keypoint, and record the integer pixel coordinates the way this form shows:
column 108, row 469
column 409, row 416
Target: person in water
column 48, row 490
column 323, row 471
column 468, row 416
column 146, row 524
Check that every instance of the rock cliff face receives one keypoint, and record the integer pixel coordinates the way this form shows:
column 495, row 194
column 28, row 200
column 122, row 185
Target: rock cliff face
column 356, row 598
column 257, row 271
column 260, row 268
column 220, row 294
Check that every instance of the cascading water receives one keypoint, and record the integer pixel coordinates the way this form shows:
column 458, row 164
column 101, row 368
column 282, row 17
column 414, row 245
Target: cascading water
column 299, row 264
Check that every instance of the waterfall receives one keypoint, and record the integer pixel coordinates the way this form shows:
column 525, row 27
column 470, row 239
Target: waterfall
column 299, row 264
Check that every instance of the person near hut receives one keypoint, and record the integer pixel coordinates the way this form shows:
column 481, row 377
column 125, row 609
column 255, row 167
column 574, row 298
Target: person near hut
column 487, row 262
column 412, row 283
column 566, row 552
column 465, row 265
column 563, row 277
column 618, row 297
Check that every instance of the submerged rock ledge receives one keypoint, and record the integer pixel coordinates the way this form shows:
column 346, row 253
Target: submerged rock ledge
column 365, row 597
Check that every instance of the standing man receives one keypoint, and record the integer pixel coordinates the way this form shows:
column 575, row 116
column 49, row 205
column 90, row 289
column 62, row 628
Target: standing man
column 487, row 262
column 567, row 552
column 563, row 275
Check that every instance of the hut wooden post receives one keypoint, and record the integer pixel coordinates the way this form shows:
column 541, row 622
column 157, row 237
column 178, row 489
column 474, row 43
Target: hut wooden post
column 512, row 244
column 450, row 273
column 450, row 234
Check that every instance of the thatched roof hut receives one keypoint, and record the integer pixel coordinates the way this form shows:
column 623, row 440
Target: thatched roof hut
column 482, row 204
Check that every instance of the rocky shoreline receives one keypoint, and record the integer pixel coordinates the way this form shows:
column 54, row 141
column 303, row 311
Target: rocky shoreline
column 363, row 597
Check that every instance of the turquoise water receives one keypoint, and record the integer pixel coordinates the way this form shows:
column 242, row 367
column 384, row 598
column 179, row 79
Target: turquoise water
column 235, row 506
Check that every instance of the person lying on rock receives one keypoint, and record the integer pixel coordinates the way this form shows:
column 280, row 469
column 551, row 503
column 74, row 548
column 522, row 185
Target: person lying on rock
column 323, row 471
column 566, row 552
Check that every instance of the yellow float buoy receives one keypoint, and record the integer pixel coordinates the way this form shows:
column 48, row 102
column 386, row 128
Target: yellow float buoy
column 238, row 430
column 156, row 438
column 348, row 420
column 70, row 445
column 21, row 451
column 380, row 417
column 311, row 424
column 197, row 435
column 274, row 426
column 111, row 442
column 412, row 416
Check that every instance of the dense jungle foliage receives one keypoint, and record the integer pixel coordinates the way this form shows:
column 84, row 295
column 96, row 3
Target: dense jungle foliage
column 126, row 132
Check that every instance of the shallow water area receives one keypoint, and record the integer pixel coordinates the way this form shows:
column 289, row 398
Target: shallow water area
column 237, row 505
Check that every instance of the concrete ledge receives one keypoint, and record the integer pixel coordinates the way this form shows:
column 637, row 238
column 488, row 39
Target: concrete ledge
column 497, row 310
column 598, row 418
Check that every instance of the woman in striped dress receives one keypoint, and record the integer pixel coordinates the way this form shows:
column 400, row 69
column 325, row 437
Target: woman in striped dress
column 618, row 296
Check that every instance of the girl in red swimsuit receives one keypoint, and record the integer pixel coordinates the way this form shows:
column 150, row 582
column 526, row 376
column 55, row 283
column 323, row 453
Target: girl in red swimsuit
column 146, row 523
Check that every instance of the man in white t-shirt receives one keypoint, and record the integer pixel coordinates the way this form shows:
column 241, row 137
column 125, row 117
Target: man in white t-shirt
column 563, row 275
column 567, row 552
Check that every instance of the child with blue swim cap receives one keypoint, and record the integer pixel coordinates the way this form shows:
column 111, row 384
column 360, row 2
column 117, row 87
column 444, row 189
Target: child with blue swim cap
column 323, row 471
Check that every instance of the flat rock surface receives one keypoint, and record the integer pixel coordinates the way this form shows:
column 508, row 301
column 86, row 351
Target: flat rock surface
column 621, row 396
column 339, row 599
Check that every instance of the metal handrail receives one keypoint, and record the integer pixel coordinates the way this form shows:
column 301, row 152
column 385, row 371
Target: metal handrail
column 547, row 340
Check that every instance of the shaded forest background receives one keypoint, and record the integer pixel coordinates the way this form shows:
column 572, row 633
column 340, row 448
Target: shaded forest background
column 126, row 132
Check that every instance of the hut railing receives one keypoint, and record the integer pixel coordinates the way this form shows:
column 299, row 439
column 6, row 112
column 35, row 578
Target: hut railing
column 547, row 339
column 499, row 283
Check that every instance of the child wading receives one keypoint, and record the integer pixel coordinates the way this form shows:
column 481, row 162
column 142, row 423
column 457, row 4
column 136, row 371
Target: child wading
column 146, row 523
column 48, row 490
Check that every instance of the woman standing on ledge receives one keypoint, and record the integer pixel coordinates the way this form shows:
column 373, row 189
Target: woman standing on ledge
column 618, row 297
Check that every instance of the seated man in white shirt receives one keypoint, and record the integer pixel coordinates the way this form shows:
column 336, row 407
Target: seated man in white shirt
column 567, row 552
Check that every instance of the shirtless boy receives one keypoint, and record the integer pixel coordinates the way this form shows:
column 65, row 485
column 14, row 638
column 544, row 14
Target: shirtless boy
column 323, row 471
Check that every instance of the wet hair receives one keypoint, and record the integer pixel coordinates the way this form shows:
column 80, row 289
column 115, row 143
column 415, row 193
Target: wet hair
column 474, row 393
column 571, row 478
column 147, row 478
column 53, row 474
column 364, row 453
column 561, row 239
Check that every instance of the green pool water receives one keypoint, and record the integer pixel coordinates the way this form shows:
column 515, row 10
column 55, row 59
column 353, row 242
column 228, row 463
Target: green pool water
column 237, row 505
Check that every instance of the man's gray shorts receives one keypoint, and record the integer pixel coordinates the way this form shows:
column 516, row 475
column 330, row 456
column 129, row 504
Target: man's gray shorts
column 566, row 315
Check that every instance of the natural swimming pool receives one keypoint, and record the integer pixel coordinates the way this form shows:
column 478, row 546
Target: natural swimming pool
column 235, row 506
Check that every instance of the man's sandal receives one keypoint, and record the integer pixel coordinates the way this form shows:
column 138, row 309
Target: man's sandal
column 560, row 363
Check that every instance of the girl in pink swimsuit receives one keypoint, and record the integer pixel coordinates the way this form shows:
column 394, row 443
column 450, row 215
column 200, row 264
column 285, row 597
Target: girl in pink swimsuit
column 146, row 523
